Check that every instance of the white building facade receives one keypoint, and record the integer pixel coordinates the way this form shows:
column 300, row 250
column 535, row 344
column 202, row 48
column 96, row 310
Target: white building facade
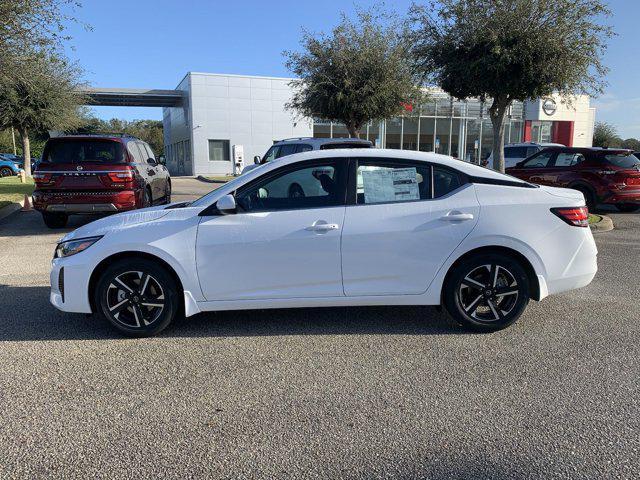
column 230, row 116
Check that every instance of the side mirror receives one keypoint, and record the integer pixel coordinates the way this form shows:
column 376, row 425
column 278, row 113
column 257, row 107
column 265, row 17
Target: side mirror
column 257, row 159
column 226, row 205
column 162, row 160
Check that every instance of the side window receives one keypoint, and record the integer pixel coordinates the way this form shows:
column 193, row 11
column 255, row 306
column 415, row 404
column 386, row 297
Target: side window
column 531, row 151
column 134, row 151
column 144, row 155
column 149, row 152
column 445, row 181
column 310, row 186
column 568, row 159
column 538, row 161
column 303, row 147
column 271, row 153
column 287, row 149
column 515, row 152
column 392, row 181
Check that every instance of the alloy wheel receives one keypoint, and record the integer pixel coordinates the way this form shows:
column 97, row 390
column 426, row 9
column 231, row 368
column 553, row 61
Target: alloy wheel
column 135, row 299
column 488, row 293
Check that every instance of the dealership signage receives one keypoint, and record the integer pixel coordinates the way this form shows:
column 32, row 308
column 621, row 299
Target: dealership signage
column 549, row 106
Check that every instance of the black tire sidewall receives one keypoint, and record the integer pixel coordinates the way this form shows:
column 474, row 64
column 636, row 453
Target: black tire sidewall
column 4, row 170
column 452, row 284
column 627, row 207
column 55, row 220
column 165, row 279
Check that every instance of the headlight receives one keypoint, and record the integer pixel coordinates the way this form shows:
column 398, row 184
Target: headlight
column 71, row 247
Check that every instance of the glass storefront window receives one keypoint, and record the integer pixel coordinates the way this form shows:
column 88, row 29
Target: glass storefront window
column 443, row 127
column 321, row 129
column 340, row 131
column 410, row 133
column 472, row 142
column 394, row 133
column 427, row 126
column 456, row 134
column 487, row 139
column 514, row 134
column 443, row 107
column 373, row 134
column 428, row 108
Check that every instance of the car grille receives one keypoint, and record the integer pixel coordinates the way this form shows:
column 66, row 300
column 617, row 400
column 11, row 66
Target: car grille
column 77, row 194
column 61, row 283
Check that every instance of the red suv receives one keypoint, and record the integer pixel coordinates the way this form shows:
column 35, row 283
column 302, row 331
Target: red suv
column 97, row 174
column 603, row 175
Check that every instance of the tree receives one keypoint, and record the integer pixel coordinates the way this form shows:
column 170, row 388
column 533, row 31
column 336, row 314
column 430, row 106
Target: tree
column 358, row 73
column 605, row 135
column 631, row 144
column 40, row 97
column 507, row 50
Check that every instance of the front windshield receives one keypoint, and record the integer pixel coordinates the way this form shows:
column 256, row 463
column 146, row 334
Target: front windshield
column 204, row 200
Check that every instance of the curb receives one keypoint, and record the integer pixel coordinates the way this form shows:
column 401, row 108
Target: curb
column 9, row 209
column 207, row 180
column 604, row 225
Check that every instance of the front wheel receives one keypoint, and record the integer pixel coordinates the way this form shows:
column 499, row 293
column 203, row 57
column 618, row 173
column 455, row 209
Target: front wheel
column 138, row 297
column 5, row 172
column 486, row 292
column 627, row 207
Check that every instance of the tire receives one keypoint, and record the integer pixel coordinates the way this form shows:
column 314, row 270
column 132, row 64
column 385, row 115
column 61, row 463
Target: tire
column 589, row 196
column 476, row 301
column 146, row 198
column 296, row 191
column 627, row 207
column 138, row 297
column 55, row 220
column 6, row 172
column 167, row 193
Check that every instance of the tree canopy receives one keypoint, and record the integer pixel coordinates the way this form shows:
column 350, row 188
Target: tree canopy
column 507, row 50
column 358, row 73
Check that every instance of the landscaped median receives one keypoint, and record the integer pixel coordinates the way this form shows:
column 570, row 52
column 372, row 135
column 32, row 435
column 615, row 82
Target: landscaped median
column 12, row 193
column 600, row 223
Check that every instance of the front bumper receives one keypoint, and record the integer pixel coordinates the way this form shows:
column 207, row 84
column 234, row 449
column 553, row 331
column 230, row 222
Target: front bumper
column 84, row 202
column 70, row 289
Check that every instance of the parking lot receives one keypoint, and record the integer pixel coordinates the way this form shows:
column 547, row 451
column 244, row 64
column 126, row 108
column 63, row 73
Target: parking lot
column 332, row 393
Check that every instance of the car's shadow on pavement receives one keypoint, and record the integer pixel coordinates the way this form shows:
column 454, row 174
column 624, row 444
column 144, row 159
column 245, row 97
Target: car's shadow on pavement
column 27, row 315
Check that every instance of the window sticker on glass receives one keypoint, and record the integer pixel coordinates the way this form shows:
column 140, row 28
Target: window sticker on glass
column 390, row 185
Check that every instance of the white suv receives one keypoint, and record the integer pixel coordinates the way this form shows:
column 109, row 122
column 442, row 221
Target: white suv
column 515, row 152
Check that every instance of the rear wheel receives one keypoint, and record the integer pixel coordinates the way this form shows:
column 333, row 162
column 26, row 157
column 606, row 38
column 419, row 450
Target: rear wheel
column 138, row 297
column 589, row 197
column 55, row 220
column 167, row 193
column 5, row 172
column 487, row 292
column 627, row 207
column 146, row 198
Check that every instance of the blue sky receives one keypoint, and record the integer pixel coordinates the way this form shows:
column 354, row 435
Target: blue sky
column 153, row 43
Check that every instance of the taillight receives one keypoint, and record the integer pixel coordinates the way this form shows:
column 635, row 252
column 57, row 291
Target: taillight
column 575, row 216
column 41, row 177
column 121, row 176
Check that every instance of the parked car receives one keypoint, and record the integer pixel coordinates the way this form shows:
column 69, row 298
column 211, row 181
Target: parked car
column 8, row 168
column 418, row 229
column 305, row 144
column 516, row 152
column 610, row 176
column 97, row 174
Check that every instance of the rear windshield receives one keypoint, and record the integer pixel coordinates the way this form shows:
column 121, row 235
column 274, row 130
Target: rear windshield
column 623, row 161
column 78, row 151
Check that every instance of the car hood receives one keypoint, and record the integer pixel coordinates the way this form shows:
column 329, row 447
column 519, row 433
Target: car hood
column 118, row 222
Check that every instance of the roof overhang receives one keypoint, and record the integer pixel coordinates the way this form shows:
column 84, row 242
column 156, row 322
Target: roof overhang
column 133, row 97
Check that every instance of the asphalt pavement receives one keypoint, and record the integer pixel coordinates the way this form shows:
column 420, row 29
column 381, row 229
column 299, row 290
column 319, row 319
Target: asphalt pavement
column 320, row 393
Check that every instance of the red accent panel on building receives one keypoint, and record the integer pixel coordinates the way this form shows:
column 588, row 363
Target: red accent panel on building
column 562, row 132
column 527, row 131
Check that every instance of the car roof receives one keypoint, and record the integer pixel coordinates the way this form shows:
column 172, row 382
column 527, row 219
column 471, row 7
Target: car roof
column 460, row 165
column 322, row 141
column 592, row 149
column 533, row 144
column 97, row 136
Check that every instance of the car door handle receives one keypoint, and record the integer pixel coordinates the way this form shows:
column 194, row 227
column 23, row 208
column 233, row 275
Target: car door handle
column 457, row 217
column 322, row 226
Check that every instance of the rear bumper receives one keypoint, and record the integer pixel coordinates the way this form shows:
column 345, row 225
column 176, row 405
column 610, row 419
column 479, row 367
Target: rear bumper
column 622, row 196
column 84, row 202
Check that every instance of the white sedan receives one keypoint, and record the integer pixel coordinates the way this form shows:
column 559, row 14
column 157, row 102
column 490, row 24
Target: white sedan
column 365, row 227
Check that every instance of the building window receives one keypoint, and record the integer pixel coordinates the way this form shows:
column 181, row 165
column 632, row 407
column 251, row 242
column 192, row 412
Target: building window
column 219, row 151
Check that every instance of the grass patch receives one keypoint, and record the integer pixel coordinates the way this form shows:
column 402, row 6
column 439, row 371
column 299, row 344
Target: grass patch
column 12, row 191
column 221, row 178
column 594, row 218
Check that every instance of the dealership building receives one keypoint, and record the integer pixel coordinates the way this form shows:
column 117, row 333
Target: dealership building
column 225, row 118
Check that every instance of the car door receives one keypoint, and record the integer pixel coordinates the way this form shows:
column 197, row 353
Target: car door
column 402, row 222
column 565, row 165
column 150, row 165
column 536, row 169
column 277, row 245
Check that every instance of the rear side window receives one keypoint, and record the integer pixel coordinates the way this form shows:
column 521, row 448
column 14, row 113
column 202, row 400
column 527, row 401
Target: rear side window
column 515, row 152
column 623, row 161
column 287, row 149
column 445, row 181
column 568, row 159
column 304, row 148
column 380, row 182
column 79, row 151
column 134, row 151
